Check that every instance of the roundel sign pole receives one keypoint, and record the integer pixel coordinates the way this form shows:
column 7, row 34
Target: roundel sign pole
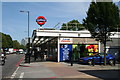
column 41, row 20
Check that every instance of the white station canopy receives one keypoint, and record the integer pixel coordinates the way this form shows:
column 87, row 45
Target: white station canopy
column 41, row 36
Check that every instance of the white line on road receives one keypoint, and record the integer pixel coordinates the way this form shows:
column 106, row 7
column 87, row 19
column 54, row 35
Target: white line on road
column 21, row 75
column 13, row 75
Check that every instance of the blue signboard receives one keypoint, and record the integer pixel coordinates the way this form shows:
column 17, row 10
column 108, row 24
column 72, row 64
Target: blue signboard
column 65, row 52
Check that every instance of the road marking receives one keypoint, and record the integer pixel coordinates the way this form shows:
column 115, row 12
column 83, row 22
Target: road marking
column 21, row 75
column 18, row 64
column 13, row 75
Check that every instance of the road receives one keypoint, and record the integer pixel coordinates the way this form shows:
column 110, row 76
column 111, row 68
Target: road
column 11, row 65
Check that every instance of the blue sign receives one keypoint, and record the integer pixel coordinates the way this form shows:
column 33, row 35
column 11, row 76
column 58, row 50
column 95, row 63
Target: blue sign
column 65, row 52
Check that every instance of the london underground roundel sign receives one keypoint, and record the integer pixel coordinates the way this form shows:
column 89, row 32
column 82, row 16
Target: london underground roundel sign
column 41, row 20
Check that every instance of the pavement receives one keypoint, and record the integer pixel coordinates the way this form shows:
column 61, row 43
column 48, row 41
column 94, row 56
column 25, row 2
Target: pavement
column 62, row 70
column 49, row 70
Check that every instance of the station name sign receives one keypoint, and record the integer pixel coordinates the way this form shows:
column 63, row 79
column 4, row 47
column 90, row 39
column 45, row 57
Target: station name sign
column 66, row 40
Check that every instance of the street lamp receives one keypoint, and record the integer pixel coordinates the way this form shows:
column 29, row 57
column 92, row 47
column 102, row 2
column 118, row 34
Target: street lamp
column 28, row 39
column 28, row 20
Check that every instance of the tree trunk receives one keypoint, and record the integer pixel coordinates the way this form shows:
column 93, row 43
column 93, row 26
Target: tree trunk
column 105, row 32
column 105, row 53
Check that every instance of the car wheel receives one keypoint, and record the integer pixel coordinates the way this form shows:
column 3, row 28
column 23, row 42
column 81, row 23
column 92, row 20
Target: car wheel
column 3, row 62
column 111, row 62
column 90, row 62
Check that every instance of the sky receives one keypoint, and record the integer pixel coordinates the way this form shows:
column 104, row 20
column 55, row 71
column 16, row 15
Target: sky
column 15, row 22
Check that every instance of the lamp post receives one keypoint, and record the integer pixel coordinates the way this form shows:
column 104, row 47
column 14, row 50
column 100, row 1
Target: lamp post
column 28, row 53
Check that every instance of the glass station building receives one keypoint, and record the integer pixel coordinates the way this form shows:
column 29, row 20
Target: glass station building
column 59, row 45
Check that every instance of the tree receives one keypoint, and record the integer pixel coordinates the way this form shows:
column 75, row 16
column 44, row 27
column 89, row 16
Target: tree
column 73, row 25
column 102, row 18
column 0, row 41
column 22, row 47
column 9, row 41
column 16, row 44
column 4, row 41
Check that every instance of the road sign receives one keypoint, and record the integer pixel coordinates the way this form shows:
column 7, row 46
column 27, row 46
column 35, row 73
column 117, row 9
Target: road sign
column 41, row 20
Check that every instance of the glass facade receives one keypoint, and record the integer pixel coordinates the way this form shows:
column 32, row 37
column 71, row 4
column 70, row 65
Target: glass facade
column 77, row 51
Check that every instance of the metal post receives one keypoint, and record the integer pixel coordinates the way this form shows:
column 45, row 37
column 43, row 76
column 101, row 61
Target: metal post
column 71, row 60
column 59, row 48
column 28, row 38
column 28, row 25
column 28, row 54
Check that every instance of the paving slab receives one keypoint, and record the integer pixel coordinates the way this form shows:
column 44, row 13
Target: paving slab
column 60, row 70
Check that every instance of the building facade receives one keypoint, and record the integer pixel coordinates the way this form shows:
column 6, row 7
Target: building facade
column 60, row 45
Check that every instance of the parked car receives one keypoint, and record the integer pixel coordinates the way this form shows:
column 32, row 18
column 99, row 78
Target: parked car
column 19, row 52
column 98, row 58
column 7, row 52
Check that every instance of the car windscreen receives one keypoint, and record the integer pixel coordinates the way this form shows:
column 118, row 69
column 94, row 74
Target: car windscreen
column 102, row 54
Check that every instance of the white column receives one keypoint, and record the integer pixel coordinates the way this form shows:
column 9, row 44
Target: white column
column 99, row 46
column 58, row 49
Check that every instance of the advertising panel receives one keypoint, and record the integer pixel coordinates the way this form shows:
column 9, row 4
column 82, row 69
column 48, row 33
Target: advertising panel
column 65, row 52
column 83, row 50
column 91, row 49
column 76, row 52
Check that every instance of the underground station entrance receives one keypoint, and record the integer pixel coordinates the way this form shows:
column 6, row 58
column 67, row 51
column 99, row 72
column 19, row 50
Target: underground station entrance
column 60, row 45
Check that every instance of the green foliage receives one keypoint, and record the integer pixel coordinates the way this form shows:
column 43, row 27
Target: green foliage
column 16, row 44
column 4, row 41
column 0, row 41
column 7, row 42
column 22, row 47
column 64, row 27
column 102, row 18
column 73, row 25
